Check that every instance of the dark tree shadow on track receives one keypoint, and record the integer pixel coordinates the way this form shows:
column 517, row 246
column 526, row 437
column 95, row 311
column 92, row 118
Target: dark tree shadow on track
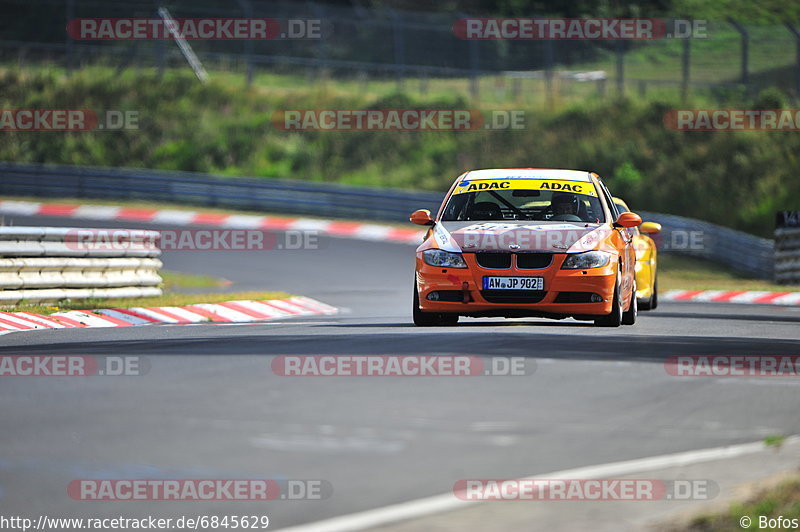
column 434, row 341
column 741, row 317
column 468, row 324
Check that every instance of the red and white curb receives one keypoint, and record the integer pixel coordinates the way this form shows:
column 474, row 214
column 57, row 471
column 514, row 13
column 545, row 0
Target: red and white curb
column 242, row 311
column 337, row 228
column 754, row 297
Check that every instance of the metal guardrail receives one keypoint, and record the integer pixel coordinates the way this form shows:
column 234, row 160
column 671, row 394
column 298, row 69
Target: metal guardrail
column 50, row 264
column 740, row 251
column 271, row 195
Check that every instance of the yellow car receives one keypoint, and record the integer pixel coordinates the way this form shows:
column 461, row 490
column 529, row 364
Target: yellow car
column 646, row 254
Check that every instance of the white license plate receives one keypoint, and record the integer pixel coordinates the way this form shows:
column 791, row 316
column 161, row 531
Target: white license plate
column 513, row 283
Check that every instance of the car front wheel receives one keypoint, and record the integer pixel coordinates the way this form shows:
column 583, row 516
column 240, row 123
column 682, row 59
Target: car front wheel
column 430, row 319
column 613, row 319
column 629, row 316
column 654, row 297
column 651, row 302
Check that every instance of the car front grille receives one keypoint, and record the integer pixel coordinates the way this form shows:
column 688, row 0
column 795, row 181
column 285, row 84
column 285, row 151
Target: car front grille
column 534, row 261
column 498, row 260
column 513, row 296
column 501, row 260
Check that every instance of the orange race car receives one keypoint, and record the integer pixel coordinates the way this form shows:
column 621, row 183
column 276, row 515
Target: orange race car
column 526, row 242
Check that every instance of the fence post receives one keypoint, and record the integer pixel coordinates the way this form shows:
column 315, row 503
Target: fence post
column 796, row 34
column 160, row 58
column 474, row 66
column 247, row 8
column 548, row 71
column 745, row 50
column 685, row 64
column 620, row 67
column 70, row 42
column 322, row 52
column 399, row 48
column 363, row 81
column 160, row 51
column 516, row 89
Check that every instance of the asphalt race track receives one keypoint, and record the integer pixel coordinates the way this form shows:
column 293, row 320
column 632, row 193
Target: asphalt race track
column 211, row 407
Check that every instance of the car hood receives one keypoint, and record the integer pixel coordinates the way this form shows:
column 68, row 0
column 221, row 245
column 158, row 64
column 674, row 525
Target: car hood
column 546, row 237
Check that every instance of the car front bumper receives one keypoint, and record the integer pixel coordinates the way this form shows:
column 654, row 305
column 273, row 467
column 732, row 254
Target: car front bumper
column 581, row 292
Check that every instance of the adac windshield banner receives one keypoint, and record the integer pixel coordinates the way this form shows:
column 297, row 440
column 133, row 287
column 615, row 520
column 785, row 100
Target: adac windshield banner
column 576, row 187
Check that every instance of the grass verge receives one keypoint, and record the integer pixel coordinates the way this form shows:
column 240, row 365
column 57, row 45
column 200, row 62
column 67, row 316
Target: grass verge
column 220, row 129
column 178, row 282
column 676, row 272
column 779, row 502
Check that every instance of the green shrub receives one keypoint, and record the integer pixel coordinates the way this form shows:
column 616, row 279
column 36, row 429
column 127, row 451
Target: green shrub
column 734, row 178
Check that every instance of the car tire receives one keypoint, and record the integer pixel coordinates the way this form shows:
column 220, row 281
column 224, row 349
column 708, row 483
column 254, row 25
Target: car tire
column 448, row 319
column 430, row 319
column 629, row 316
column 654, row 296
column 613, row 319
column 651, row 302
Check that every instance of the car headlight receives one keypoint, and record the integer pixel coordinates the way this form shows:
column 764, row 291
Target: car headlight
column 443, row 259
column 589, row 259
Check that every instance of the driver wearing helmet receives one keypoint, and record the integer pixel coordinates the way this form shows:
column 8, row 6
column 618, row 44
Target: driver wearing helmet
column 565, row 203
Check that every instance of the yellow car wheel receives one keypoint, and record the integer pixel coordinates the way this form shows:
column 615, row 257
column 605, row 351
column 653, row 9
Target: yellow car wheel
column 652, row 302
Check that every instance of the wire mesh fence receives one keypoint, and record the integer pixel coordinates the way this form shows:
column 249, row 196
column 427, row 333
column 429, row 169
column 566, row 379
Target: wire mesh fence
column 414, row 51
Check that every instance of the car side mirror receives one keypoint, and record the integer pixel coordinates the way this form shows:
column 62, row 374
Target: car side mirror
column 421, row 217
column 628, row 219
column 650, row 228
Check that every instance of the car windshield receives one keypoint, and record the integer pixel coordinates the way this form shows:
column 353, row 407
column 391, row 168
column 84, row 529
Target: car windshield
column 534, row 203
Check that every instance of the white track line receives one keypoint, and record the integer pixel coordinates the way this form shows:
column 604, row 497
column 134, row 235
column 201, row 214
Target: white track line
column 23, row 208
column 169, row 216
column 96, row 212
column 448, row 501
